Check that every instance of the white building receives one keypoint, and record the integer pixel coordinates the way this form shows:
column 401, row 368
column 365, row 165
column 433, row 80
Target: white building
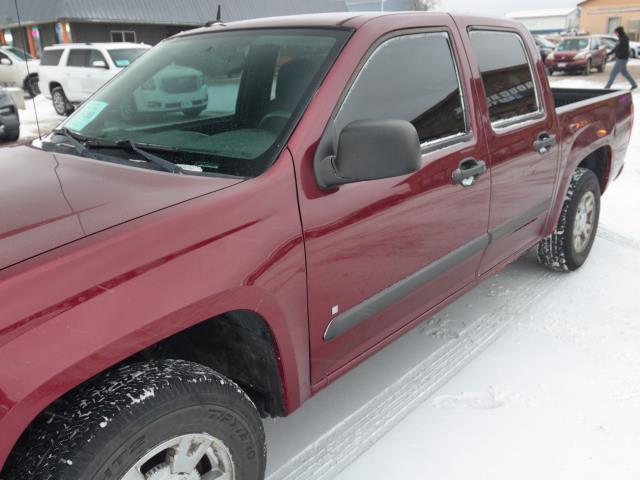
column 556, row 20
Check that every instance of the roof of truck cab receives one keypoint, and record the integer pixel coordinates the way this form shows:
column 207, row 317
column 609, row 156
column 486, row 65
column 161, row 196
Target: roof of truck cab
column 353, row 20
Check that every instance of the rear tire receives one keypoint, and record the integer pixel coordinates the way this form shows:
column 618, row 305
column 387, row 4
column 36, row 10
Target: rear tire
column 61, row 104
column 143, row 421
column 602, row 66
column 31, row 85
column 568, row 247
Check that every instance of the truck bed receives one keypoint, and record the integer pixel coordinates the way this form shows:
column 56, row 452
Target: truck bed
column 567, row 96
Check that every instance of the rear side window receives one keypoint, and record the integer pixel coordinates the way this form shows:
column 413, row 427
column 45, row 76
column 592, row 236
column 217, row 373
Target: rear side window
column 51, row 57
column 413, row 78
column 506, row 74
column 79, row 58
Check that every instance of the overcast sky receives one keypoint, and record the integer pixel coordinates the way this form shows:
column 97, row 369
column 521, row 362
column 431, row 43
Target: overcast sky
column 500, row 7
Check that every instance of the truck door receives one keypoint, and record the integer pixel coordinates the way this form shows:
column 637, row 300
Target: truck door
column 381, row 253
column 522, row 139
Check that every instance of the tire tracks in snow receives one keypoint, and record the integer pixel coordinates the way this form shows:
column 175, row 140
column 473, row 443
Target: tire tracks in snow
column 341, row 445
column 616, row 238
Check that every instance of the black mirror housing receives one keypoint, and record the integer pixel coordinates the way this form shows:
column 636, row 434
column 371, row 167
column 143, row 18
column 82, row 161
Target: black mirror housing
column 370, row 150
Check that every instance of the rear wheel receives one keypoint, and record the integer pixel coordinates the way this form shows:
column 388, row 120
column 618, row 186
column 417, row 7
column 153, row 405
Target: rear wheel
column 170, row 420
column 61, row 105
column 31, row 85
column 568, row 247
column 603, row 65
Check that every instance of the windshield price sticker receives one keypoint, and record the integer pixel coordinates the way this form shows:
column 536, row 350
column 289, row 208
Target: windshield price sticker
column 87, row 114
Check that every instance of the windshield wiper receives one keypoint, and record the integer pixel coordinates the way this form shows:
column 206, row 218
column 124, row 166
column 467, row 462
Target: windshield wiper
column 75, row 140
column 156, row 160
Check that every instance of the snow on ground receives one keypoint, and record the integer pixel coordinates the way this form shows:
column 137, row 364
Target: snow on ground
column 531, row 375
column 47, row 117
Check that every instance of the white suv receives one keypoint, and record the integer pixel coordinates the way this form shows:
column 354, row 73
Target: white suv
column 71, row 73
column 18, row 69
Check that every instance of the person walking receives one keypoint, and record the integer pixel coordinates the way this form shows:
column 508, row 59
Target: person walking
column 621, row 52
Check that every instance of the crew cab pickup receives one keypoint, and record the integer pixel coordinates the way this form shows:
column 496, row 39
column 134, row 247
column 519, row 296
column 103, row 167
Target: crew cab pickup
column 166, row 281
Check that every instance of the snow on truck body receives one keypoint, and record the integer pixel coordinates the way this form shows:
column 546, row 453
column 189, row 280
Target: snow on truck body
column 270, row 241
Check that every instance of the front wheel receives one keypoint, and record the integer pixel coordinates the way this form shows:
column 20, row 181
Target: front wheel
column 587, row 70
column 568, row 247
column 170, row 420
column 61, row 105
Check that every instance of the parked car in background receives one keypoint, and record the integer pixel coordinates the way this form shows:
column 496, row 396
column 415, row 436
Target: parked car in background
column 578, row 54
column 19, row 69
column 173, row 89
column 163, row 284
column 611, row 40
column 9, row 118
column 71, row 73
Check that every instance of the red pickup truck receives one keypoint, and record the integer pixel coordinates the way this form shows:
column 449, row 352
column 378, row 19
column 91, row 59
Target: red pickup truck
column 167, row 279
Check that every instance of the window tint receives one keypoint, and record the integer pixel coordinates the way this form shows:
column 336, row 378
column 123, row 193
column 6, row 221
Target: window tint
column 506, row 74
column 51, row 57
column 412, row 77
column 79, row 58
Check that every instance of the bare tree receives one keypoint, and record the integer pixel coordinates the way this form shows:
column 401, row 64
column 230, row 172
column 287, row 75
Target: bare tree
column 424, row 4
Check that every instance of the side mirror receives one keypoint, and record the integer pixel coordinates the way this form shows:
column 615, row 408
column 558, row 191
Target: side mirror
column 99, row 64
column 6, row 61
column 370, row 150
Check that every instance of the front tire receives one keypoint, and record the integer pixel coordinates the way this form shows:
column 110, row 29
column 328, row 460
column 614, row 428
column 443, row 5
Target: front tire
column 568, row 247
column 169, row 419
column 61, row 105
column 587, row 70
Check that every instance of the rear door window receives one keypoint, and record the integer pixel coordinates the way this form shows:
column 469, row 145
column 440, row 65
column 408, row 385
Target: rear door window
column 506, row 75
column 79, row 57
column 409, row 77
column 51, row 57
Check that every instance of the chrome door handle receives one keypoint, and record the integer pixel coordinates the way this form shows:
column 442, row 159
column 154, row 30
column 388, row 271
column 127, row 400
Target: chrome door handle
column 468, row 171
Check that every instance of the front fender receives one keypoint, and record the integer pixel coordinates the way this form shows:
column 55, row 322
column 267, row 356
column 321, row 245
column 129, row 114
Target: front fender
column 82, row 308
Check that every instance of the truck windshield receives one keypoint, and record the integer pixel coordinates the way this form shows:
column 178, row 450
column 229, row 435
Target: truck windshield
column 573, row 44
column 122, row 57
column 221, row 103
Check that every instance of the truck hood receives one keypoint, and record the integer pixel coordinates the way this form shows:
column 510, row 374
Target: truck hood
column 48, row 200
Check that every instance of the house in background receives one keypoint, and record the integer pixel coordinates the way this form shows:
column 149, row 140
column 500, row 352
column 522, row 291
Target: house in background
column 550, row 21
column 603, row 16
column 47, row 22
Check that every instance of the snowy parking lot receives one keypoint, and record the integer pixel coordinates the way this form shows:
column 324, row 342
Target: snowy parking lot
column 531, row 375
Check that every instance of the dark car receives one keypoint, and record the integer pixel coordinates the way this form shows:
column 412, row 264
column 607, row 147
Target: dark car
column 9, row 119
column 578, row 54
